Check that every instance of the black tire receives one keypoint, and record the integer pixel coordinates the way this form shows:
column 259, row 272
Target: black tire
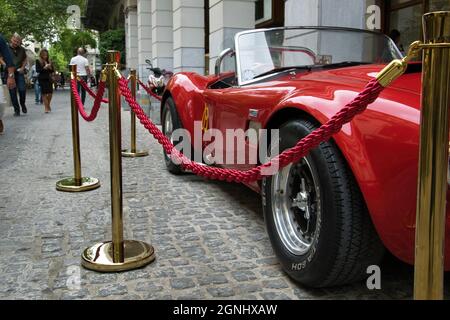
column 345, row 242
column 169, row 106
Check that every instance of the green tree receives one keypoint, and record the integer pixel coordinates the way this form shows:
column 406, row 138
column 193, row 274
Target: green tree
column 112, row 40
column 41, row 19
column 59, row 60
column 69, row 40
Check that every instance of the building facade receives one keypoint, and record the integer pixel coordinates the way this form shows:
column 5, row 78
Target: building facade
column 188, row 35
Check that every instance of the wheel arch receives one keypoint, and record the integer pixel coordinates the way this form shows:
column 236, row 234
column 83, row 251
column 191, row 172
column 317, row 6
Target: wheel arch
column 186, row 90
column 281, row 116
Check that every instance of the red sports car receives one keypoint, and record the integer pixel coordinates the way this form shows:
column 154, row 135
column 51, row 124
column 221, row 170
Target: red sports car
column 332, row 214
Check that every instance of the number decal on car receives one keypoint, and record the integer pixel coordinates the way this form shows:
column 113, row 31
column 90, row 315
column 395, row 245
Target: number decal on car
column 205, row 119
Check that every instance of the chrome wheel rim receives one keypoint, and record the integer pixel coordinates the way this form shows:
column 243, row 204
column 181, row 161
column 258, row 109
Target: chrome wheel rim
column 296, row 206
column 168, row 125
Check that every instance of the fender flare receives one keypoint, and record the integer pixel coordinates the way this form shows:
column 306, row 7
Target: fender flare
column 186, row 89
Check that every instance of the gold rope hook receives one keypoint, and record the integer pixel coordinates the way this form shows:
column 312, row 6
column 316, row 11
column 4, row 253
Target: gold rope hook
column 398, row 66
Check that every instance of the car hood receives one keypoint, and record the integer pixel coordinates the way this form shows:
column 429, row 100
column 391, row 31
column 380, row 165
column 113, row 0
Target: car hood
column 355, row 78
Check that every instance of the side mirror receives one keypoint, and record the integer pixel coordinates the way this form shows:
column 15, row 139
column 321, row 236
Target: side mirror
column 219, row 60
column 148, row 61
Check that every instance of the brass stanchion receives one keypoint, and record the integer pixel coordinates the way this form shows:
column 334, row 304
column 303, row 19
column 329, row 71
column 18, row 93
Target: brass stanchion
column 118, row 254
column 133, row 152
column 77, row 183
column 433, row 160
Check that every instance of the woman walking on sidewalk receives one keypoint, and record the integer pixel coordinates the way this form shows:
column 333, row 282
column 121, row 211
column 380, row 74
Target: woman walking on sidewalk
column 45, row 69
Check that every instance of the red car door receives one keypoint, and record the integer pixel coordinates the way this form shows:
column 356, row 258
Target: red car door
column 241, row 108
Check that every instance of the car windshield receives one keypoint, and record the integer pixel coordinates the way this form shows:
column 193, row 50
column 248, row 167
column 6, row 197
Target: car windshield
column 261, row 53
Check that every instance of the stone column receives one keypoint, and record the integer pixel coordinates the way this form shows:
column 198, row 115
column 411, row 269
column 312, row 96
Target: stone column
column 344, row 13
column 188, row 36
column 162, row 34
column 227, row 17
column 144, row 31
column 131, row 34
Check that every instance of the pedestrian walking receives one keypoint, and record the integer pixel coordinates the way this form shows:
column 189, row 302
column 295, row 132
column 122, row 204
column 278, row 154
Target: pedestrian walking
column 10, row 80
column 83, row 70
column 19, row 57
column 36, row 85
column 63, row 80
column 45, row 69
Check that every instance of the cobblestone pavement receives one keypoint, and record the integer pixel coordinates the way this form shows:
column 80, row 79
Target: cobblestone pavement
column 209, row 236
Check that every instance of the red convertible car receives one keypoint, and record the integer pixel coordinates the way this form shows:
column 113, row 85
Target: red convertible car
column 332, row 214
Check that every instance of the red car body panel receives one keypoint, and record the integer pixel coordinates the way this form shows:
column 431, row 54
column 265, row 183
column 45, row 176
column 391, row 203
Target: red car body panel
column 381, row 145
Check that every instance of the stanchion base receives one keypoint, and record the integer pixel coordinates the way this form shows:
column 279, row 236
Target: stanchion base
column 99, row 257
column 129, row 154
column 69, row 185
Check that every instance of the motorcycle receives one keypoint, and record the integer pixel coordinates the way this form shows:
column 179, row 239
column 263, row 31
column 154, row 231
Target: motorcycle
column 158, row 78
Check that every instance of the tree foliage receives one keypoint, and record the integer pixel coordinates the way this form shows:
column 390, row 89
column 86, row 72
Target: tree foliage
column 112, row 40
column 68, row 42
column 59, row 60
column 45, row 21
column 38, row 18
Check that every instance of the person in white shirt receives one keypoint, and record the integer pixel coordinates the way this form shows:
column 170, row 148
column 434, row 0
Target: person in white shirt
column 83, row 70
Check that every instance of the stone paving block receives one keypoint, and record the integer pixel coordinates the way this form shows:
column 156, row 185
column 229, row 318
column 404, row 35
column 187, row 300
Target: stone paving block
column 274, row 296
column 99, row 278
column 275, row 284
column 250, row 287
column 189, row 271
column 221, row 292
column 148, row 286
column 136, row 274
column 244, row 275
column 112, row 289
column 194, row 295
column 179, row 262
column 75, row 295
column 182, row 283
column 213, row 279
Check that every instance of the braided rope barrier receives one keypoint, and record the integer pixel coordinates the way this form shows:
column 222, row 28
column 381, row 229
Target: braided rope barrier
column 89, row 90
column 97, row 102
column 358, row 105
column 149, row 90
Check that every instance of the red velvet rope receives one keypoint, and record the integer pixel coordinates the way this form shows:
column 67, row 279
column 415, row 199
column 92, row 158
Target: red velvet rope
column 89, row 90
column 149, row 90
column 97, row 102
column 292, row 155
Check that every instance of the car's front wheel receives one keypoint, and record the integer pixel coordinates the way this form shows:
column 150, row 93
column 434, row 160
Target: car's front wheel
column 316, row 217
column 170, row 122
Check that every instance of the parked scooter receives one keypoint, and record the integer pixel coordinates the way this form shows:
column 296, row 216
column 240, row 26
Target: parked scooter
column 158, row 78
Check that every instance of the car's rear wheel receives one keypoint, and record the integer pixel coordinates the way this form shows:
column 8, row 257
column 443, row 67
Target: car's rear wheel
column 316, row 217
column 170, row 122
